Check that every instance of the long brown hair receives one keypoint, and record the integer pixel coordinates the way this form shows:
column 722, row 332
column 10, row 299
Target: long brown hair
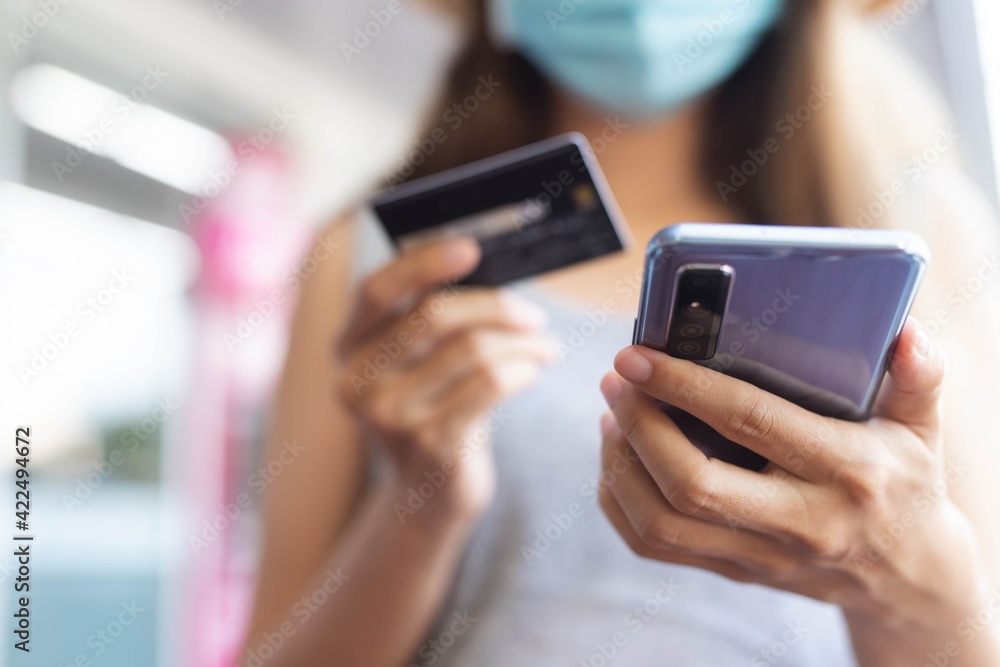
column 865, row 112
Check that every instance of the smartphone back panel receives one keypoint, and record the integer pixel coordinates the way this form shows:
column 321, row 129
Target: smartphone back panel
column 811, row 314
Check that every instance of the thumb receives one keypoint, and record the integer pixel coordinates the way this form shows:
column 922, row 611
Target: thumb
column 910, row 393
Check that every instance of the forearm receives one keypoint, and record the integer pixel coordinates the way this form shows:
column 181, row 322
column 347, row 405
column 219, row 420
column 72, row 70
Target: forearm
column 934, row 603
column 389, row 579
column 968, row 640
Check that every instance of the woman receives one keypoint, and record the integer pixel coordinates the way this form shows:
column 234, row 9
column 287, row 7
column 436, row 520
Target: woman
column 446, row 508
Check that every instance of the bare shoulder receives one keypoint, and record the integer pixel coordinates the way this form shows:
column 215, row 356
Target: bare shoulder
column 331, row 252
column 959, row 224
column 324, row 282
column 962, row 313
column 959, row 302
column 959, row 210
column 308, row 504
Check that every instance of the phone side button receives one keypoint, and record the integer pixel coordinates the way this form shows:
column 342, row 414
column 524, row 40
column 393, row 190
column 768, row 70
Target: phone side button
column 635, row 330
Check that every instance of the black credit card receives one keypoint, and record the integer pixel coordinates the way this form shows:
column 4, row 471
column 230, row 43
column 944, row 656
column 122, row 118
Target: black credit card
column 535, row 209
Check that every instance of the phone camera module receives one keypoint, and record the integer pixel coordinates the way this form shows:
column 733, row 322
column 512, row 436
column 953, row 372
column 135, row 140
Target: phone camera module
column 700, row 302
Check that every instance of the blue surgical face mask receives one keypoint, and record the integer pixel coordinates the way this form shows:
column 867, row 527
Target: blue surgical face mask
column 642, row 58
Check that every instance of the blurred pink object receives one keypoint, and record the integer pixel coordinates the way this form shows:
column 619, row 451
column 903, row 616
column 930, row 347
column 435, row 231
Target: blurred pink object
column 247, row 235
column 250, row 242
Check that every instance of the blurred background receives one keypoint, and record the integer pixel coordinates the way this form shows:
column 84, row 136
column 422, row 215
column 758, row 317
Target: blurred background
column 162, row 164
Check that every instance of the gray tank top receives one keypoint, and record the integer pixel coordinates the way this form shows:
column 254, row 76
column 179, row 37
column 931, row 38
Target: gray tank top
column 547, row 581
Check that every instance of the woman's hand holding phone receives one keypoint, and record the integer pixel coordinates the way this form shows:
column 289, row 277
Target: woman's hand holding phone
column 852, row 513
column 424, row 360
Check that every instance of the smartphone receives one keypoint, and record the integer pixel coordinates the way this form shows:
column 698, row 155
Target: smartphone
column 809, row 314
column 535, row 209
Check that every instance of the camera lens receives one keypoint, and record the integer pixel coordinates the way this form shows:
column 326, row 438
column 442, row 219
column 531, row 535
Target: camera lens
column 692, row 331
column 695, row 310
column 689, row 348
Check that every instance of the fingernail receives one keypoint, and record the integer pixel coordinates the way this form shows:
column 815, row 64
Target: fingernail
column 608, row 424
column 532, row 315
column 633, row 365
column 461, row 251
column 527, row 313
column 611, row 387
column 923, row 342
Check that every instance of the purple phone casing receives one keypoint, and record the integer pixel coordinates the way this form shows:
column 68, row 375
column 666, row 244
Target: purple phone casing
column 812, row 315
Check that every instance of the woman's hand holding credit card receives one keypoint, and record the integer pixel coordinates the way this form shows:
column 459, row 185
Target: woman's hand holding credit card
column 465, row 345
column 424, row 361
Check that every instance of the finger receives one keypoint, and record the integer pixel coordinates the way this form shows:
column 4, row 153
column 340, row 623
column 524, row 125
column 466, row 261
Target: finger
column 472, row 396
column 771, row 503
column 765, row 423
column 616, row 515
column 820, row 583
column 469, row 352
column 410, row 274
column 910, row 394
column 440, row 315
column 661, row 526
column 433, row 427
